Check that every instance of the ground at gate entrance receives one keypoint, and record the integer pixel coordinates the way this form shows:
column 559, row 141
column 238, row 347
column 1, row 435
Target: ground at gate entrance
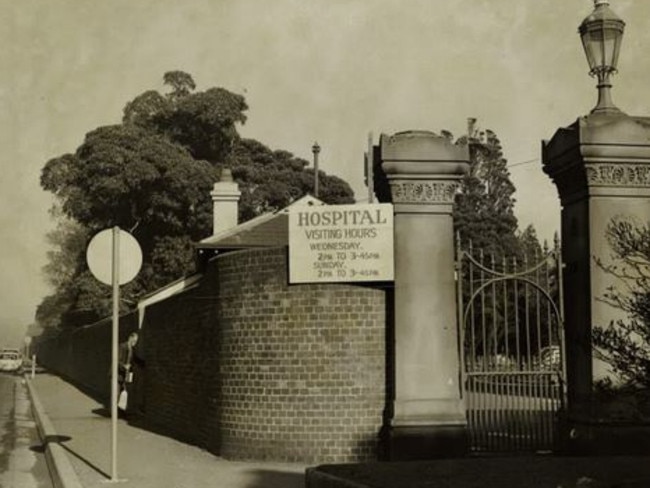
column 493, row 472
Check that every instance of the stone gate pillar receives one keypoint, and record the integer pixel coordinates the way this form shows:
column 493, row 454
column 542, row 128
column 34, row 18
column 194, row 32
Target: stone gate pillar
column 601, row 167
column 424, row 171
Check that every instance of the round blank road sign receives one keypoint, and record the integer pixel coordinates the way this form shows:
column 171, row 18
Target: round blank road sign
column 99, row 256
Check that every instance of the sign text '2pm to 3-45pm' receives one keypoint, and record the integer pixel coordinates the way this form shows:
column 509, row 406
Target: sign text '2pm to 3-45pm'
column 341, row 243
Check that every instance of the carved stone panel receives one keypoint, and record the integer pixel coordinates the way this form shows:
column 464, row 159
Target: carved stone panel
column 611, row 174
column 423, row 191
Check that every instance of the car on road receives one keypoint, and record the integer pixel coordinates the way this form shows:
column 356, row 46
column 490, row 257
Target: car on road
column 10, row 360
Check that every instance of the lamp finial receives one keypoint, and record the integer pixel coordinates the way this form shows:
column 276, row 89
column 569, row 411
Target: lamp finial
column 601, row 33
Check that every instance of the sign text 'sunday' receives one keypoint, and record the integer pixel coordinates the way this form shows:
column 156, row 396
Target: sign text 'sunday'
column 341, row 243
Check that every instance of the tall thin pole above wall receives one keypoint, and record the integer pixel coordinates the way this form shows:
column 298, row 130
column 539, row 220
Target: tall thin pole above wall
column 370, row 176
column 315, row 149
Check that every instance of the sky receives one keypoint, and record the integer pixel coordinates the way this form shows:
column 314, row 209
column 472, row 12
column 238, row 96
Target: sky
column 330, row 71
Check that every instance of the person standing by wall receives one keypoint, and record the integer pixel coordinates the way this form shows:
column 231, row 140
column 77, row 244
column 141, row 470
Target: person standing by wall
column 126, row 355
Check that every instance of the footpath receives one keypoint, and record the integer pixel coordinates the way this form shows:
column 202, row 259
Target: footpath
column 78, row 446
column 79, row 436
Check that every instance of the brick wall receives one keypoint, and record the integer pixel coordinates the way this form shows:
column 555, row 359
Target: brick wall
column 250, row 367
column 180, row 363
column 83, row 355
column 302, row 366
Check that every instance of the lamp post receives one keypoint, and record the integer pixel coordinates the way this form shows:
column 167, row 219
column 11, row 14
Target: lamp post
column 601, row 33
column 601, row 167
column 315, row 149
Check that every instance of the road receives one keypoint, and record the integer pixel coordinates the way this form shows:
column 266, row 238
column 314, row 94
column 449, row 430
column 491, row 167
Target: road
column 22, row 462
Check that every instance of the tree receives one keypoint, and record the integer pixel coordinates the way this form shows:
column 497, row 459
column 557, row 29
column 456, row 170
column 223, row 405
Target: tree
column 50, row 310
column 152, row 175
column 484, row 220
column 67, row 245
column 270, row 180
column 204, row 122
column 625, row 344
column 182, row 84
column 484, row 207
column 127, row 176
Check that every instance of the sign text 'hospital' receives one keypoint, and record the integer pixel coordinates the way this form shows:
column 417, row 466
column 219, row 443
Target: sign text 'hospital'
column 341, row 243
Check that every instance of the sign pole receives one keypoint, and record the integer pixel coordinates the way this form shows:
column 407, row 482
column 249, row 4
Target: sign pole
column 114, row 257
column 115, row 278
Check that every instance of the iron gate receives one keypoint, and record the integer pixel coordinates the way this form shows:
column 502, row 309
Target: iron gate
column 511, row 332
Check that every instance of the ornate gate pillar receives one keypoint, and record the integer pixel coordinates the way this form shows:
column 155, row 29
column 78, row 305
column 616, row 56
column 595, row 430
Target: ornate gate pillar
column 601, row 167
column 428, row 418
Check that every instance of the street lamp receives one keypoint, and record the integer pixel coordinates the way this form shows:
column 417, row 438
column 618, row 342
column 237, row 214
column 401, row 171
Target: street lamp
column 601, row 34
column 315, row 149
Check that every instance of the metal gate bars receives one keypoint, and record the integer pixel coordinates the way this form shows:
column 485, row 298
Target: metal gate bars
column 510, row 319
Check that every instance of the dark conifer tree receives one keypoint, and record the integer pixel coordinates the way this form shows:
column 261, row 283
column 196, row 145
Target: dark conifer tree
column 484, row 206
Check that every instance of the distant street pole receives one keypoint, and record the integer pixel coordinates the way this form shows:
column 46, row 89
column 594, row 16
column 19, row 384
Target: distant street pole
column 315, row 149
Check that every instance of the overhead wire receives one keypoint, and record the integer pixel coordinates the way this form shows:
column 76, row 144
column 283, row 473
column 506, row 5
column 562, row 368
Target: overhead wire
column 522, row 163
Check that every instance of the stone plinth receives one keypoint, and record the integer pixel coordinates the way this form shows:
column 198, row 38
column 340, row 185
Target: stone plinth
column 428, row 418
column 601, row 167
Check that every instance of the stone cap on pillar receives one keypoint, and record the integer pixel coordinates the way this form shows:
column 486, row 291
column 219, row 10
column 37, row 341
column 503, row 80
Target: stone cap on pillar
column 423, row 170
column 599, row 154
column 410, row 152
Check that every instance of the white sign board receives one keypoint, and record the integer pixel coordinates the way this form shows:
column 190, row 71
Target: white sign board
column 341, row 243
column 99, row 256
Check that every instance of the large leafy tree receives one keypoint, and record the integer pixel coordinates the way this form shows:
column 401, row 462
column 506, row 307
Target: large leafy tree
column 202, row 122
column 152, row 175
column 133, row 178
column 126, row 176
